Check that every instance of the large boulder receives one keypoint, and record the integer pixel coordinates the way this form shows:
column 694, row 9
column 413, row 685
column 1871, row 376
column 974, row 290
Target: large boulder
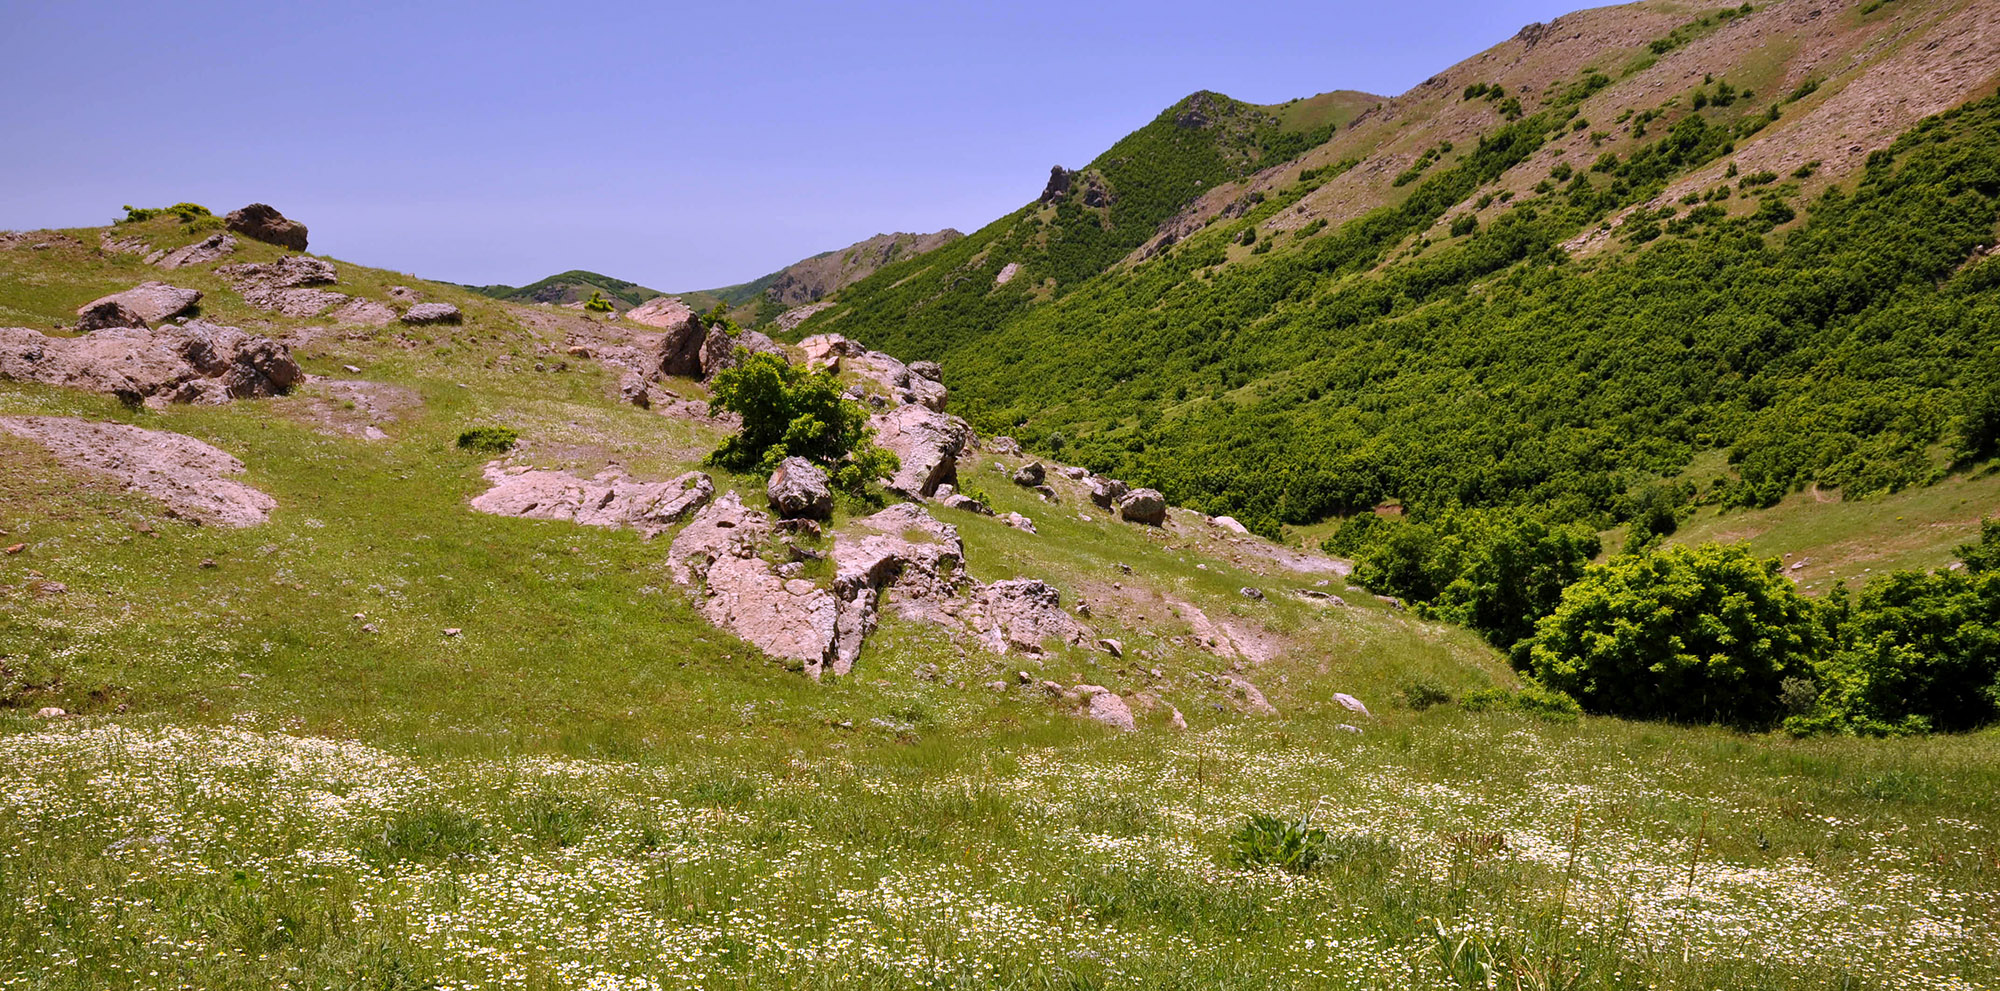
column 661, row 311
column 1105, row 706
column 927, row 444
column 720, row 348
column 679, row 350
column 262, row 222
column 718, row 554
column 799, row 489
column 427, row 313
column 1106, row 492
column 1030, row 475
column 1143, row 506
column 609, row 499
column 148, row 303
column 826, row 350
column 195, row 362
column 1024, row 615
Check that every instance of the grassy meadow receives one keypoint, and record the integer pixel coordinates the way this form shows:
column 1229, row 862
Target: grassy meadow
column 281, row 772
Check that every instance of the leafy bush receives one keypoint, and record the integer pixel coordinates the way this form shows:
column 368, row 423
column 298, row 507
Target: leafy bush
column 597, row 303
column 1423, row 693
column 1530, row 699
column 1697, row 634
column 1917, row 652
column 187, row 212
column 1984, row 555
column 791, row 411
column 1269, row 841
column 489, row 440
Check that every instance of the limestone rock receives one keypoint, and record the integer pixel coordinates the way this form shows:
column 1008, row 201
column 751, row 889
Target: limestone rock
column 719, row 348
column 107, row 312
column 826, row 350
column 1030, row 474
column 212, row 248
column 363, row 313
column 927, row 445
column 1106, row 492
column 1350, row 703
column 1019, row 522
column 183, row 473
column 661, row 311
column 1105, row 706
column 286, row 285
column 192, row 362
column 426, row 313
column 1143, row 506
column 609, row 499
column 261, row 222
column 799, row 489
column 1230, row 524
column 1247, row 695
column 149, row 302
column 927, row 369
column 1023, row 614
column 1003, row 445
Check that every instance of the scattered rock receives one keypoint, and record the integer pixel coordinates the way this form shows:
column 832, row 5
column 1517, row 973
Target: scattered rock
column 192, row 362
column 826, row 350
column 1390, row 601
column 1143, row 506
column 661, row 311
column 632, row 388
column 1073, row 473
column 927, row 369
column 50, row 712
column 1229, row 523
column 1176, row 721
column 428, row 313
column 719, row 349
column 926, row 443
column 960, row 501
column 1255, row 594
column 1347, row 728
column 609, row 499
column 452, row 631
column 1023, row 614
column 1019, row 522
column 261, row 222
column 16, row 548
column 1030, row 475
column 1247, row 695
column 1106, row 492
column 142, row 305
column 1102, row 705
column 798, row 488
column 1003, row 445
column 285, row 286
column 1115, row 648
column 1351, row 704
column 184, row 473
column 212, row 248
column 717, row 554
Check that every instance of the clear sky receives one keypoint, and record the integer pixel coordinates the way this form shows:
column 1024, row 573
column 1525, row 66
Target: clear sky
column 681, row 146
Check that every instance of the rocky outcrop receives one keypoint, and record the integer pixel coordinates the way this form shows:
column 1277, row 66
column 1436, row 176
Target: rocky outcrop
column 791, row 318
column 1104, row 706
column 262, row 222
column 285, row 286
column 719, row 348
column 429, row 313
column 799, row 489
column 195, row 362
column 212, row 248
column 661, row 311
column 1146, row 506
column 183, row 473
column 826, row 350
column 718, row 555
column 678, row 351
column 145, row 304
column 1024, row 615
column 1030, row 475
column 898, row 382
column 609, row 499
column 363, row 313
column 927, row 445
column 1106, row 492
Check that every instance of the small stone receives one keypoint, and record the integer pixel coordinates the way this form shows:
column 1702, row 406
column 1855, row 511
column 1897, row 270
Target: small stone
column 208, row 562
column 452, row 631
column 1345, row 728
column 16, row 548
column 1113, row 647
column 1251, row 593
column 1177, row 721
column 998, row 686
column 369, row 628
column 351, row 370
column 1351, row 704
column 1030, row 475
column 50, row 712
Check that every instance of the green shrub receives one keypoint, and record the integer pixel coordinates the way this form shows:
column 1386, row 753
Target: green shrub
column 1464, row 224
column 1269, row 841
column 187, row 212
column 1983, row 555
column 489, row 440
column 1423, row 693
column 1916, row 652
column 1531, row 699
column 1696, row 634
column 597, row 303
column 792, row 411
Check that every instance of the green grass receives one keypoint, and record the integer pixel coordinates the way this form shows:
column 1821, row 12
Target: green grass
column 590, row 787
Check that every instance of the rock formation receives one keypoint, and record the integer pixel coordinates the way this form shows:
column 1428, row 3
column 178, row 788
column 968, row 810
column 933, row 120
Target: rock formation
column 428, row 313
column 609, row 499
column 183, row 473
column 799, row 489
column 927, row 445
column 147, row 303
column 285, row 286
column 261, row 222
column 195, row 362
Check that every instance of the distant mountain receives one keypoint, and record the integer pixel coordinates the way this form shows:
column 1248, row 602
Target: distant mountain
column 573, row 286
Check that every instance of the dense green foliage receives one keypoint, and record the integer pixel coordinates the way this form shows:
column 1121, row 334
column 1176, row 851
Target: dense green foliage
column 1530, row 699
column 1688, row 634
column 187, row 212
column 1917, row 652
column 1489, row 369
column 597, row 303
column 789, row 410
column 489, row 440
column 1292, row 845
column 555, row 285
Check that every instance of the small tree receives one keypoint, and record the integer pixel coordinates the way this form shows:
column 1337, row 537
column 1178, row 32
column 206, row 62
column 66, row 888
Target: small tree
column 1985, row 554
column 597, row 303
column 790, row 411
column 1705, row 633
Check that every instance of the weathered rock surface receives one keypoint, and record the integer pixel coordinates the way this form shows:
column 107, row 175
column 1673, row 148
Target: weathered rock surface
column 262, row 222
column 427, row 313
column 149, row 302
column 1003, row 445
column 1105, row 706
column 717, row 553
column 609, row 499
column 1143, row 506
column 826, row 350
column 798, row 488
column 195, row 362
column 363, row 313
column 285, row 286
column 185, row 474
column 1030, row 474
column 719, row 348
column 1024, row 614
column 1247, row 695
column 1019, row 522
column 212, row 248
column 1106, row 492
column 927, row 444
column 661, row 311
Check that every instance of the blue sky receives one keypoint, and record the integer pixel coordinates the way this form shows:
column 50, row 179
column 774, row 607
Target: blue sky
column 681, row 146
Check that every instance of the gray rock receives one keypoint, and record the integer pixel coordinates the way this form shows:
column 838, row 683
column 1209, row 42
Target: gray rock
column 1003, row 445
column 927, row 445
column 1019, row 522
column 1351, row 704
column 211, row 248
column 610, row 499
column 1106, row 492
column 427, row 313
column 927, row 369
column 1104, row 706
column 106, row 313
column 195, row 362
column 1248, row 592
column 1030, row 474
column 1143, row 506
column 798, row 488
column 264, row 223
column 149, row 302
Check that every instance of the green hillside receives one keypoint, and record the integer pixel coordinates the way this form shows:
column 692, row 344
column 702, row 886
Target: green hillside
column 572, row 286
